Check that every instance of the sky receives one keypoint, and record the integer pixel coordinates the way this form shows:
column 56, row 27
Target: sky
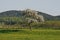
column 51, row 7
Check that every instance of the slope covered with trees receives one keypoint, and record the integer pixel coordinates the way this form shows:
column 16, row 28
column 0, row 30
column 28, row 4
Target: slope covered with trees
column 17, row 13
column 28, row 18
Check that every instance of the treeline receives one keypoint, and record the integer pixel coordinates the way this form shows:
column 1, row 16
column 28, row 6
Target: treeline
column 47, row 24
column 10, row 20
column 19, row 22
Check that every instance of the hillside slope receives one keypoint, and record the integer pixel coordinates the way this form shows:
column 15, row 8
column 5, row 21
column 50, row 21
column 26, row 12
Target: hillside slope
column 16, row 13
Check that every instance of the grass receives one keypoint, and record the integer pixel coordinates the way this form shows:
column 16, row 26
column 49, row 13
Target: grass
column 26, row 34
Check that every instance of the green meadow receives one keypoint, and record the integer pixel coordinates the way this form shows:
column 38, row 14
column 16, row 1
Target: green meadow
column 26, row 34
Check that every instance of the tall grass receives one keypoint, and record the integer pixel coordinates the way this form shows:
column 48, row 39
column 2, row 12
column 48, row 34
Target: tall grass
column 26, row 34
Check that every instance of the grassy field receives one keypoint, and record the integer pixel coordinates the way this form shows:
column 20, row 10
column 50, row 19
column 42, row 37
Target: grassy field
column 26, row 34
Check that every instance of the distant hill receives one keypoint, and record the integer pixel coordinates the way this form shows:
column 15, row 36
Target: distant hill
column 11, row 13
column 47, row 16
column 57, row 17
column 17, row 13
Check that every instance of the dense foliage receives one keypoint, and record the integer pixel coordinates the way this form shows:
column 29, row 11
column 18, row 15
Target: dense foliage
column 9, row 21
